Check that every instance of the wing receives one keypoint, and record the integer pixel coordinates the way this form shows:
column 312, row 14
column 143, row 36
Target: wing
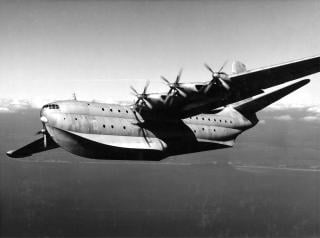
column 271, row 76
column 261, row 101
column 252, row 83
column 241, row 86
column 32, row 148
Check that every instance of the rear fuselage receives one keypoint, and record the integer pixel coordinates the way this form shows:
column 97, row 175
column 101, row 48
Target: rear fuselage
column 111, row 131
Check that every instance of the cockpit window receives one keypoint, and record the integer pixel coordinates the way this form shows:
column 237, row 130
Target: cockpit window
column 51, row 106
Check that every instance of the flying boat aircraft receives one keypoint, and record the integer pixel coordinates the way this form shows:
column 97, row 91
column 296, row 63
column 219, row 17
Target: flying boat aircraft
column 190, row 117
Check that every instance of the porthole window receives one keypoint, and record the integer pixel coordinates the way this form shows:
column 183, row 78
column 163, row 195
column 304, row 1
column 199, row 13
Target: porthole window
column 214, row 119
column 64, row 118
column 102, row 109
column 104, row 126
column 110, row 109
column 220, row 120
column 124, row 127
column 203, row 129
column 230, row 122
column 126, row 111
column 112, row 126
column 88, row 104
column 76, row 118
column 214, row 129
column 208, row 119
column 194, row 131
column 202, row 119
column 197, row 118
column 119, row 110
column 226, row 121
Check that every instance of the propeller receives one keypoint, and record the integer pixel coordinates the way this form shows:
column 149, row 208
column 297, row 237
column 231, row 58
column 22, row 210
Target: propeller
column 174, row 87
column 142, row 97
column 218, row 77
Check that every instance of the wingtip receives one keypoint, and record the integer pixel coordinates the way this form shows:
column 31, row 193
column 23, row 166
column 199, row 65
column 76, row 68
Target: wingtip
column 10, row 153
column 302, row 82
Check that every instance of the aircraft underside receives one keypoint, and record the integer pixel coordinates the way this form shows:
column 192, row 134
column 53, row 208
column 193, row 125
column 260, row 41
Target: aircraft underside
column 111, row 148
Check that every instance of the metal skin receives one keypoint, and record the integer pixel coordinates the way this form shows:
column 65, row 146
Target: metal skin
column 109, row 131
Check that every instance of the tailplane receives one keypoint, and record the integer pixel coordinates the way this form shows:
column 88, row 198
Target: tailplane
column 261, row 101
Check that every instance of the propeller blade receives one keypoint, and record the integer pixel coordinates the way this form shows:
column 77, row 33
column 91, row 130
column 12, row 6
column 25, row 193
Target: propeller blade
column 167, row 99
column 146, row 87
column 145, row 136
column 149, row 105
column 224, row 84
column 183, row 94
column 166, row 80
column 208, row 67
column 224, row 64
column 44, row 140
column 134, row 91
column 208, row 87
column 178, row 77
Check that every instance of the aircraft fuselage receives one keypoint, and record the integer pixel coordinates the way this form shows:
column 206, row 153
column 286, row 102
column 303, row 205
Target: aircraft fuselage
column 111, row 131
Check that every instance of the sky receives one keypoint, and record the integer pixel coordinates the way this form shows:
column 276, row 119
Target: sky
column 97, row 49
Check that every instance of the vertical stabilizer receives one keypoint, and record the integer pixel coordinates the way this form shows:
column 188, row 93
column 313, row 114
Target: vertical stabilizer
column 238, row 67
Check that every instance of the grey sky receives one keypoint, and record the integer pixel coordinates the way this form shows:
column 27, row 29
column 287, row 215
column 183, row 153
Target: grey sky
column 50, row 49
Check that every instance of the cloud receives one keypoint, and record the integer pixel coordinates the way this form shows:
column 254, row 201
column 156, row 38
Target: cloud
column 5, row 110
column 311, row 118
column 281, row 106
column 262, row 122
column 283, row 117
column 314, row 109
column 14, row 105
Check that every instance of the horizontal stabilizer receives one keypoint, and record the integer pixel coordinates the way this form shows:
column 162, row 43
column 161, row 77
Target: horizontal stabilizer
column 262, row 101
column 32, row 148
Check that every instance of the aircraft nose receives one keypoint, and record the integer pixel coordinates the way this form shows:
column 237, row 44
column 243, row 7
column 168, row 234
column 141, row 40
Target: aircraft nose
column 43, row 114
column 43, row 119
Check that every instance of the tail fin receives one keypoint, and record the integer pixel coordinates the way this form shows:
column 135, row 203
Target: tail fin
column 263, row 100
column 238, row 67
